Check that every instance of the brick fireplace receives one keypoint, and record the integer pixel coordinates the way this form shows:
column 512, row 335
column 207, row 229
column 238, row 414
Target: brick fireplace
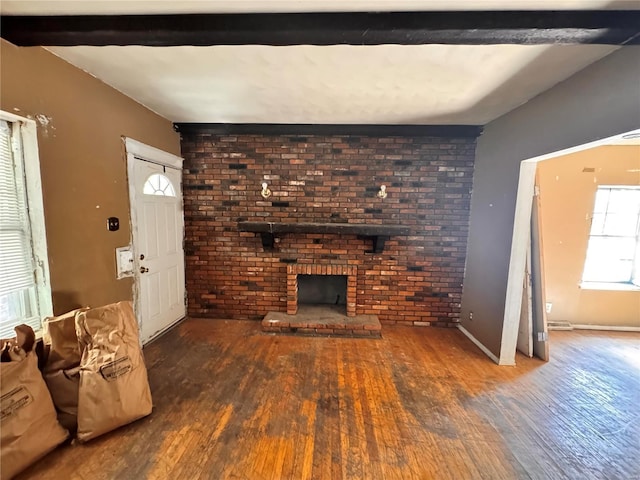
column 410, row 278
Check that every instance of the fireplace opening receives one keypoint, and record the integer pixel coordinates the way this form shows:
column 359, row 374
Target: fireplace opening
column 329, row 291
column 322, row 283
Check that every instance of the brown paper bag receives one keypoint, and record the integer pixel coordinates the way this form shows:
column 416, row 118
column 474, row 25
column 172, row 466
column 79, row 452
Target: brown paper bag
column 59, row 333
column 28, row 425
column 62, row 368
column 63, row 386
column 114, row 389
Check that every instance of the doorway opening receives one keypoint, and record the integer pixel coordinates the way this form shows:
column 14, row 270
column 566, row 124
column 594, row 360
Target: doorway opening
column 514, row 319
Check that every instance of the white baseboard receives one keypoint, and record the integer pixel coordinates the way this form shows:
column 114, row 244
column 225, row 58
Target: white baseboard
column 605, row 327
column 559, row 325
column 477, row 343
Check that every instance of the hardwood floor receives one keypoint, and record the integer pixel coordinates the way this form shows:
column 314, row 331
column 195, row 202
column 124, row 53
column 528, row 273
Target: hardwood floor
column 420, row 403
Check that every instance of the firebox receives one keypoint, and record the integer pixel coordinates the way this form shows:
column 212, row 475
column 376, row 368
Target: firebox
column 323, row 290
column 321, row 284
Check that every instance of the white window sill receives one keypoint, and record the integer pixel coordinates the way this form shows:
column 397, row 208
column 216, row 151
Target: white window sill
column 627, row 287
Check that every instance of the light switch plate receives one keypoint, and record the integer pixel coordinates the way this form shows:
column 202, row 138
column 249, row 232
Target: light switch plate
column 124, row 262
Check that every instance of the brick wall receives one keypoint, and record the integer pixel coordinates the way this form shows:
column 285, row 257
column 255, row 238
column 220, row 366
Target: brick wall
column 417, row 280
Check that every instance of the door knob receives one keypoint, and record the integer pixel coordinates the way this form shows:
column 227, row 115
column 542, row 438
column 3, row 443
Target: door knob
column 143, row 270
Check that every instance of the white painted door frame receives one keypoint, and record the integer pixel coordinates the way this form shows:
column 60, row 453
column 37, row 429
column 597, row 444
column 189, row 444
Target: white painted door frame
column 137, row 151
column 520, row 238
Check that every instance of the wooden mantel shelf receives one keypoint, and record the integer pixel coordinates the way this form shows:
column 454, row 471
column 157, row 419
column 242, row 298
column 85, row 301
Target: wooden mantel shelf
column 377, row 233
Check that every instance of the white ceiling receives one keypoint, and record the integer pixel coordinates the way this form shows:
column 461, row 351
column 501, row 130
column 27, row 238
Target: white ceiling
column 385, row 84
column 96, row 7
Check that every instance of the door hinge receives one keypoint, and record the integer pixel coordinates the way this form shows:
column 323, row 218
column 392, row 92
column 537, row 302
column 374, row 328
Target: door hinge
column 542, row 336
column 536, row 190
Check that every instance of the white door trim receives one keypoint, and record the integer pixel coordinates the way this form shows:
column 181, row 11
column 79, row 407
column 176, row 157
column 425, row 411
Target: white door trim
column 153, row 154
column 138, row 150
column 521, row 229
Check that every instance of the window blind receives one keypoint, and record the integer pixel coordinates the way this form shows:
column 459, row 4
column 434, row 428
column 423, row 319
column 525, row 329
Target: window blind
column 15, row 256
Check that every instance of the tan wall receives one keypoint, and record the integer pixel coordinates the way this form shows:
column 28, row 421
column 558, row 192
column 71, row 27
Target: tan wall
column 82, row 165
column 567, row 195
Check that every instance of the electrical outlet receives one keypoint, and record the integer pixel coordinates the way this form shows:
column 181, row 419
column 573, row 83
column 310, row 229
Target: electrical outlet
column 548, row 306
column 470, row 316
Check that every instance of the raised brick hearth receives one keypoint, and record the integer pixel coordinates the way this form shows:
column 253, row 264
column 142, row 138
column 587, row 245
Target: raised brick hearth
column 322, row 320
column 410, row 278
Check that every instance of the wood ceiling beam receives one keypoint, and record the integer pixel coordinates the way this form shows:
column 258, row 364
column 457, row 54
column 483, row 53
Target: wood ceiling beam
column 460, row 131
column 609, row 27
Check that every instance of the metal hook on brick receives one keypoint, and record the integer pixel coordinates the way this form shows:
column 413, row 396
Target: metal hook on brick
column 266, row 193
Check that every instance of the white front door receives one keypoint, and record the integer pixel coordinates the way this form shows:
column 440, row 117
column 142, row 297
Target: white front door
column 157, row 246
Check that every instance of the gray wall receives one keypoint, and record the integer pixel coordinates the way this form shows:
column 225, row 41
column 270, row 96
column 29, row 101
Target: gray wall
column 599, row 101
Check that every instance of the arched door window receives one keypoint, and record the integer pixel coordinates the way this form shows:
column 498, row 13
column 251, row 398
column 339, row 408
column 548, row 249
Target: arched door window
column 158, row 184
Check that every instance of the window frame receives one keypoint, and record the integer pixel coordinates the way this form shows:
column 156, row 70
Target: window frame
column 634, row 280
column 24, row 139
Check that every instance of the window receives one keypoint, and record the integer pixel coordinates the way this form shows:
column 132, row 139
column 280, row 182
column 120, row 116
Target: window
column 158, row 184
column 25, row 295
column 613, row 252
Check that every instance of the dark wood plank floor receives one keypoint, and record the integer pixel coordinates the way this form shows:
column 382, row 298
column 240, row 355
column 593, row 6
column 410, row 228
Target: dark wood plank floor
column 421, row 403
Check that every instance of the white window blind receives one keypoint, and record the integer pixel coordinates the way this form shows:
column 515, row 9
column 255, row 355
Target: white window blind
column 18, row 302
